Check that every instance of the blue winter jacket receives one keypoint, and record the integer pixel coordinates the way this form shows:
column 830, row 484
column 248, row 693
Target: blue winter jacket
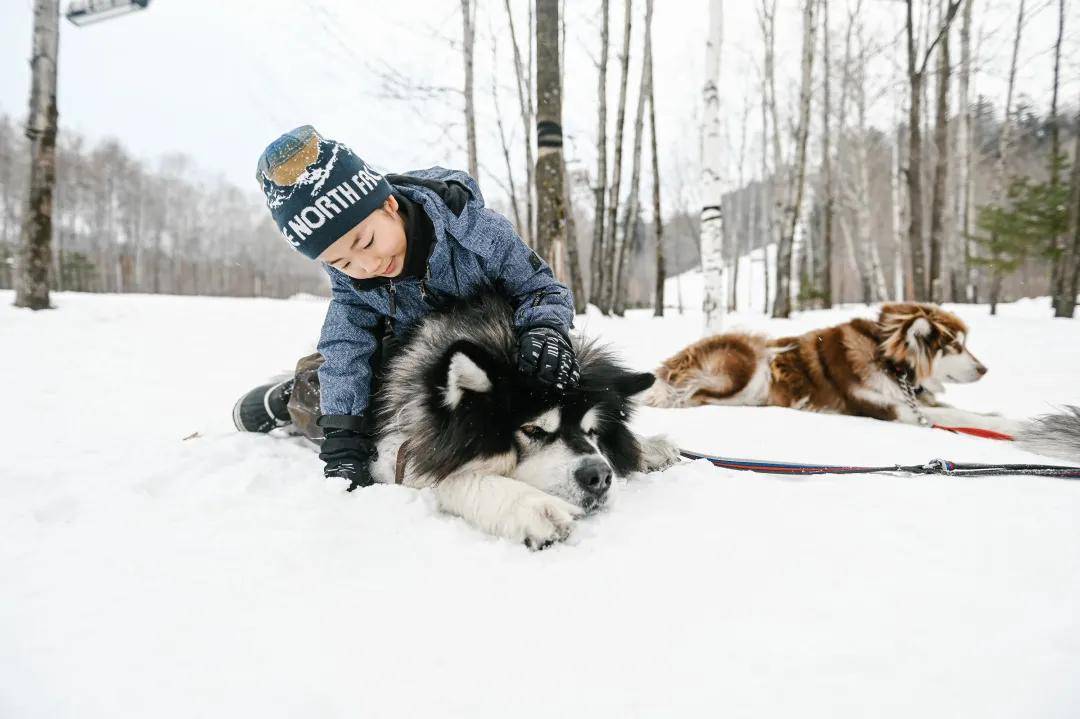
column 474, row 250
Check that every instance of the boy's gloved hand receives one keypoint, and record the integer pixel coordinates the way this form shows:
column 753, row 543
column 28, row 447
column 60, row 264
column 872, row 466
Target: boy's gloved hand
column 545, row 354
column 348, row 453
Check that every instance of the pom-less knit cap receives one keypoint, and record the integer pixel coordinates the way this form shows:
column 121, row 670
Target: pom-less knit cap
column 317, row 189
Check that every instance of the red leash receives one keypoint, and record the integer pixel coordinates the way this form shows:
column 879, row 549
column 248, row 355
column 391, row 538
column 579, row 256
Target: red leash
column 976, row 432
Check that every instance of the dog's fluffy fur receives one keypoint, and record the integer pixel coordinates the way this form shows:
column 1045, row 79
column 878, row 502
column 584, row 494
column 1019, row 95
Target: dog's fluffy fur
column 512, row 459
column 854, row 368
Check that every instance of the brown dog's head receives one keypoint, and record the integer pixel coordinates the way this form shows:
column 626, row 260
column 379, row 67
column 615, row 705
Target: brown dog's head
column 929, row 340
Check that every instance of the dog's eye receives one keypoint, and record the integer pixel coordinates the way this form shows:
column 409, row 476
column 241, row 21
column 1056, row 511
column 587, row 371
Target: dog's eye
column 533, row 432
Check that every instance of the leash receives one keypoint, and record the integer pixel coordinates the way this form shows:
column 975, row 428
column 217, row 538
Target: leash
column 933, row 467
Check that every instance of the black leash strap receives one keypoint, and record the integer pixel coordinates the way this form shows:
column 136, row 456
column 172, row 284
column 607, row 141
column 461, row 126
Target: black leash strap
column 933, row 467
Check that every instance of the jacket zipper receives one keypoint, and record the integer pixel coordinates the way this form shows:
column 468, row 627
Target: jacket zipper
column 393, row 304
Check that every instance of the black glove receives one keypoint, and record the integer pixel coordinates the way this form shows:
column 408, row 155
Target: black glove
column 348, row 449
column 545, row 354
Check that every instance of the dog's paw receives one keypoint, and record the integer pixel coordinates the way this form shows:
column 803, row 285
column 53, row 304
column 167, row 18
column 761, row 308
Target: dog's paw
column 540, row 520
column 658, row 453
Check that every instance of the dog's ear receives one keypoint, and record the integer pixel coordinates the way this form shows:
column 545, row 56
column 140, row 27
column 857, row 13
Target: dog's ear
column 918, row 329
column 465, row 373
column 632, row 383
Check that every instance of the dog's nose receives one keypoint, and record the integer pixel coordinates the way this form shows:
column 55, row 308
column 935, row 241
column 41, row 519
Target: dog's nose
column 981, row 369
column 593, row 476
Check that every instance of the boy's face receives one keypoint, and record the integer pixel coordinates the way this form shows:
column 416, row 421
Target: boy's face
column 374, row 248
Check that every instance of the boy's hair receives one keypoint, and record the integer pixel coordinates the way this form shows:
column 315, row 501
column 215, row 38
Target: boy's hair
column 317, row 189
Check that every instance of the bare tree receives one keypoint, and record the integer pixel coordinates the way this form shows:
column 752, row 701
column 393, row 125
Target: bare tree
column 524, row 89
column 1058, row 270
column 824, row 277
column 551, row 214
column 658, row 222
column 767, row 20
column 782, row 303
column 712, row 212
column 633, row 202
column 868, row 243
column 765, row 204
column 1071, row 260
column 32, row 275
column 503, row 143
column 963, row 155
column 468, row 36
column 577, row 282
column 860, row 243
column 916, row 70
column 611, row 224
column 1004, row 147
column 740, row 238
column 596, row 275
column 939, row 201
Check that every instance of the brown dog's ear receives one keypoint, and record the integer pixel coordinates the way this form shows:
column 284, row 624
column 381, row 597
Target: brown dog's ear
column 919, row 328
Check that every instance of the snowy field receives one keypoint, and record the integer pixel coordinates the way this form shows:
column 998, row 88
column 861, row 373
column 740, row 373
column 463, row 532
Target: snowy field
column 145, row 575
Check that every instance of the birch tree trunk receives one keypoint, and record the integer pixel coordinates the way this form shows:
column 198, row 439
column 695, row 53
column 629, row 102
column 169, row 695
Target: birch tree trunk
column 914, row 168
column 824, row 279
column 938, row 200
column 712, row 215
column 551, row 214
column 658, row 220
column 779, row 183
column 1071, row 260
column 852, row 196
column 35, row 255
column 916, row 79
column 1004, row 147
column 899, row 286
column 625, row 247
column 505, row 145
column 740, row 236
column 963, row 158
column 1058, row 271
column 596, row 274
column 577, row 282
column 765, row 202
column 468, row 36
column 782, row 303
column 611, row 225
column 873, row 275
column 524, row 89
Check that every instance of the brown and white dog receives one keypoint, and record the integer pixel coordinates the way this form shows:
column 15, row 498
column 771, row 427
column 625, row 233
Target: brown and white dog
column 888, row 370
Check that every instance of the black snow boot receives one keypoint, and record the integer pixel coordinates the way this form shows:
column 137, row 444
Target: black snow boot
column 263, row 408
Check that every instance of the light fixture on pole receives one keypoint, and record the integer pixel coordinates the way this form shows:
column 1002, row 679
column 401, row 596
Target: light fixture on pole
column 85, row 12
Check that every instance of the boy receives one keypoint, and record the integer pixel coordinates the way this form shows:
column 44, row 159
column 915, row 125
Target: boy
column 395, row 247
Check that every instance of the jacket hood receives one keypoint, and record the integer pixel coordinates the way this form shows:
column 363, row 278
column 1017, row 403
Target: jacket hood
column 452, row 200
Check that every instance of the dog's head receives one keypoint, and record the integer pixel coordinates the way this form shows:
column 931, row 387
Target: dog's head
column 569, row 444
column 929, row 340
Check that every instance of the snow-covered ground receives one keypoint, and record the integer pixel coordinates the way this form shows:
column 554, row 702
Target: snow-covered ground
column 143, row 574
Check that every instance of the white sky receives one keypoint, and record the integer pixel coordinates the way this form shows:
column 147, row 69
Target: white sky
column 218, row 79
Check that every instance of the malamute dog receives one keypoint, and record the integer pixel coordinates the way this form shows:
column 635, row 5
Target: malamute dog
column 512, row 459
column 890, row 369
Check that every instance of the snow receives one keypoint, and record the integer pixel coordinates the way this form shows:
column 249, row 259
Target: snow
column 149, row 575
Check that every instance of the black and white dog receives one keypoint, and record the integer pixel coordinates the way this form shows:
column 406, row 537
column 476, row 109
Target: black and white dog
column 512, row 459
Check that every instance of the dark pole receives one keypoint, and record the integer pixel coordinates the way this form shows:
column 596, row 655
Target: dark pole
column 35, row 240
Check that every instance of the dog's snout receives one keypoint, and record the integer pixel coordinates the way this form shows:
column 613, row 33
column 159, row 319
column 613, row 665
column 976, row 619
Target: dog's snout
column 980, row 368
column 593, row 476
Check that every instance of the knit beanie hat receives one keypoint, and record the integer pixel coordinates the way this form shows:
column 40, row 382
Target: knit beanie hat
column 317, row 189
